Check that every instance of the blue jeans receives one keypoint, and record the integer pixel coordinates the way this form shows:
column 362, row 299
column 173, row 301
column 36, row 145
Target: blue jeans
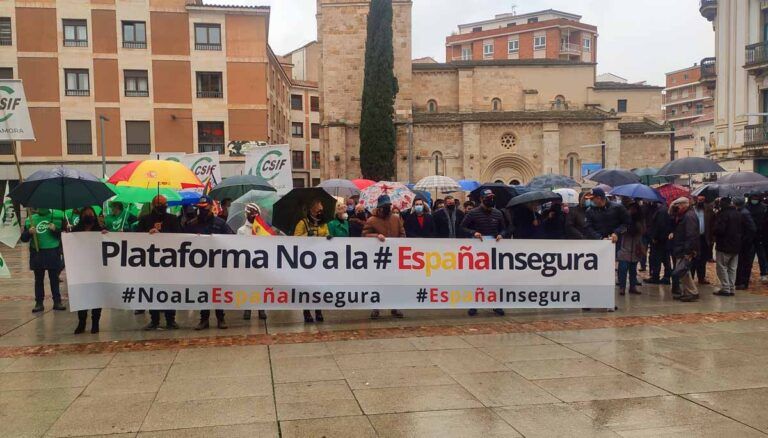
column 627, row 268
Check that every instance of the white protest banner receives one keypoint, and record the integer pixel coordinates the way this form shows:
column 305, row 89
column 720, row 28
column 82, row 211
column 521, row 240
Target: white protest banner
column 4, row 271
column 273, row 163
column 205, row 165
column 14, row 112
column 10, row 233
column 178, row 271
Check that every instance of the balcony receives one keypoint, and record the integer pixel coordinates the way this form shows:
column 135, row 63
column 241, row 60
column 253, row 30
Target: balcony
column 136, row 93
column 756, row 136
column 207, row 46
column 709, row 72
column 210, row 147
column 6, row 41
column 210, row 94
column 79, row 149
column 134, row 44
column 75, row 43
column 138, row 148
column 756, row 57
column 708, row 9
column 75, row 92
column 570, row 49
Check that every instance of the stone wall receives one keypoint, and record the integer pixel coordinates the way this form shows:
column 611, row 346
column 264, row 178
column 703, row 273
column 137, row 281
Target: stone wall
column 440, row 86
column 644, row 151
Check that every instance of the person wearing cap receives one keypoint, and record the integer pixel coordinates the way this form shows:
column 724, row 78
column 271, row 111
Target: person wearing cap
column 759, row 216
column 727, row 228
column 448, row 220
column 747, row 253
column 205, row 222
column 384, row 223
column 485, row 220
column 252, row 212
column 313, row 225
column 160, row 221
column 685, row 244
column 605, row 220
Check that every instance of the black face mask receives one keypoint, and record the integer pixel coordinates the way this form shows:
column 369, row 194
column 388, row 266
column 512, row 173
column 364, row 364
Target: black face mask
column 490, row 203
column 386, row 210
column 361, row 215
column 700, row 204
column 451, row 206
column 88, row 220
column 160, row 209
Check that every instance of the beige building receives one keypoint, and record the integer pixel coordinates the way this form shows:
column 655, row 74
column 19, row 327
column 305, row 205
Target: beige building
column 741, row 94
column 489, row 120
column 689, row 106
column 169, row 75
column 305, row 115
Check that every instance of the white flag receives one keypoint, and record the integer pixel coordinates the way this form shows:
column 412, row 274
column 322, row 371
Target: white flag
column 9, row 222
column 4, row 272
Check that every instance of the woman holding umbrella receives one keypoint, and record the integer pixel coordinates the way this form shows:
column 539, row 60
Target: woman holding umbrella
column 313, row 225
column 88, row 222
column 43, row 232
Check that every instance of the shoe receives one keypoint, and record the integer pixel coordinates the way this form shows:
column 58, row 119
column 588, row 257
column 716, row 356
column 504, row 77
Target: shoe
column 633, row 290
column 80, row 327
column 651, row 281
column 139, row 312
column 247, row 315
column 723, row 293
column 308, row 317
column 665, row 281
column 151, row 326
column 202, row 325
column 318, row 316
column 499, row 312
column 622, row 292
column 689, row 298
column 764, row 279
column 171, row 325
column 94, row 328
column 221, row 325
column 58, row 306
column 262, row 314
column 375, row 314
column 396, row 313
column 38, row 308
column 472, row 312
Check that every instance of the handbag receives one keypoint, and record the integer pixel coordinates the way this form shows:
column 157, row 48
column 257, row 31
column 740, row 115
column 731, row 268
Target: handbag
column 683, row 266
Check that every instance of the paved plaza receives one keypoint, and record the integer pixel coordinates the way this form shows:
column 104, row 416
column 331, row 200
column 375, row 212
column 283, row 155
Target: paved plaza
column 656, row 367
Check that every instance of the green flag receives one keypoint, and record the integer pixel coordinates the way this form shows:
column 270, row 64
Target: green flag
column 9, row 222
column 4, row 272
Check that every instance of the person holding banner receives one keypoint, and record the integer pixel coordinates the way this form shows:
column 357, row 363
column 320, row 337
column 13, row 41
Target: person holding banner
column 448, row 220
column 88, row 222
column 313, row 225
column 254, row 226
column 339, row 226
column 43, row 232
column 118, row 219
column 384, row 223
column 419, row 223
column 160, row 221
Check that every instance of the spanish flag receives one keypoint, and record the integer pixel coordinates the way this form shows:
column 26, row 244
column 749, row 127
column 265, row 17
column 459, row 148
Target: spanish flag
column 262, row 228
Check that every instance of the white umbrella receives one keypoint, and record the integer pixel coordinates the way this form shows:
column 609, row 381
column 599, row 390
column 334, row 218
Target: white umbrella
column 438, row 183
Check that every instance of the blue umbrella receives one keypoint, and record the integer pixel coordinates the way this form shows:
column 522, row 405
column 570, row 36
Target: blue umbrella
column 468, row 184
column 188, row 197
column 637, row 191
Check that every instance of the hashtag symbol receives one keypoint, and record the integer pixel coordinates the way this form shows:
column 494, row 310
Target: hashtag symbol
column 128, row 294
column 383, row 257
column 421, row 295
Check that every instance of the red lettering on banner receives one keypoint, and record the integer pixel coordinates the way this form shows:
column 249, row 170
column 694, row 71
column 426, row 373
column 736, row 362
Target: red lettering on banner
column 228, row 297
column 216, row 295
column 404, row 257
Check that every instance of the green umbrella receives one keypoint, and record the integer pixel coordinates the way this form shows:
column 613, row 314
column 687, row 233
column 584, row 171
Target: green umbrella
column 237, row 186
column 648, row 176
column 140, row 195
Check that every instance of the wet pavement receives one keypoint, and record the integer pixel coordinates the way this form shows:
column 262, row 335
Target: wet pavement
column 656, row 367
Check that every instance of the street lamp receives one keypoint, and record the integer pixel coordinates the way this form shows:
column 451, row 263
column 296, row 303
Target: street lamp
column 103, row 119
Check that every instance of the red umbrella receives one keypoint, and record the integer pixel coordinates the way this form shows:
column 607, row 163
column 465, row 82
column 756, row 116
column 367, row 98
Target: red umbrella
column 363, row 184
column 670, row 192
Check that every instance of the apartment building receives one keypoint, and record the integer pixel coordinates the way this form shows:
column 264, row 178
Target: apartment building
column 160, row 75
column 689, row 107
column 305, row 114
column 741, row 92
column 547, row 34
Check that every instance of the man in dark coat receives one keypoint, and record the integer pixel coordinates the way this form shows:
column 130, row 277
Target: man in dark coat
column 759, row 214
column 605, row 220
column 448, row 220
column 747, row 253
column 727, row 229
column 685, row 244
column 659, row 229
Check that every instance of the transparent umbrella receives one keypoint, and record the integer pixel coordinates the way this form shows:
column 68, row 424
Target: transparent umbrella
column 265, row 201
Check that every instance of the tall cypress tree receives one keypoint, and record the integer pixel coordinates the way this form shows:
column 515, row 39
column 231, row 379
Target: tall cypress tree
column 377, row 127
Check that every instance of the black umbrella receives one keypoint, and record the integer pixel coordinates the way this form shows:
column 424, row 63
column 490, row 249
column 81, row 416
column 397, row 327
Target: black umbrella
column 502, row 192
column 294, row 206
column 689, row 166
column 614, row 177
column 237, row 186
column 742, row 178
column 714, row 190
column 534, row 196
column 61, row 188
column 552, row 181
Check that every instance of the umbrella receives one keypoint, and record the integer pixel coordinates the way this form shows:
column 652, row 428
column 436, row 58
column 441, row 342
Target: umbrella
column 438, row 183
column 340, row 187
column 534, row 196
column 236, row 186
column 670, row 192
column 712, row 191
column 605, row 187
column 742, row 178
column 186, row 197
column 637, row 191
column 648, row 176
column 552, row 181
column 292, row 207
column 468, row 184
column 363, row 184
column 61, row 188
column 265, row 201
column 156, row 174
column 401, row 197
column 141, row 195
column 502, row 192
column 613, row 177
column 689, row 165
column 569, row 196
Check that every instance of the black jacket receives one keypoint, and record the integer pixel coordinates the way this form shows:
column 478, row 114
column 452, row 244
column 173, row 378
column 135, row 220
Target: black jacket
column 413, row 229
column 576, row 223
column 749, row 231
column 611, row 218
column 759, row 214
column 728, row 227
column 486, row 222
column 685, row 240
column 168, row 223
column 211, row 225
column 442, row 220
column 660, row 226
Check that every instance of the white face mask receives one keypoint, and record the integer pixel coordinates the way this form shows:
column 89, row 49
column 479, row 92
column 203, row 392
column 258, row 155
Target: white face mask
column 344, row 216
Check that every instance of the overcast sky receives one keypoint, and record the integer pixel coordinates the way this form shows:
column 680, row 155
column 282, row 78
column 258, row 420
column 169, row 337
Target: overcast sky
column 638, row 40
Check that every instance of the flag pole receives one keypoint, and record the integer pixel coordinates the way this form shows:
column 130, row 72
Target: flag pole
column 21, row 180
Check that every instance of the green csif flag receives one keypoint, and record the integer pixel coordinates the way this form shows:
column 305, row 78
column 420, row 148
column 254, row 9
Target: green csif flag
column 9, row 222
column 4, row 272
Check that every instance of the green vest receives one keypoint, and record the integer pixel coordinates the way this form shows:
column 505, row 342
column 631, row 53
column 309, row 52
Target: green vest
column 116, row 223
column 45, row 238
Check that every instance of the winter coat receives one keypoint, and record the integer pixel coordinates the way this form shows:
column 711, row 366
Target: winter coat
column 685, row 239
column 728, row 227
column 609, row 219
column 486, row 222
column 413, row 229
column 390, row 226
column 442, row 219
column 338, row 228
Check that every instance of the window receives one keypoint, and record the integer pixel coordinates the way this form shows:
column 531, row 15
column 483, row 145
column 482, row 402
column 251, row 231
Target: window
column 315, row 130
column 496, row 104
column 134, row 35
column 621, row 106
column 314, row 103
column 298, row 183
column 685, row 76
column 466, row 53
column 6, row 34
column 210, row 137
column 488, row 49
column 539, row 42
column 209, row 85
column 207, row 36
column 297, row 159
column 477, row 29
column 76, row 82
column 533, row 20
column 79, row 137
column 508, row 141
column 6, row 73
column 573, row 165
column 437, row 162
column 511, row 24
column 560, row 103
column 136, row 83
column 137, row 138
column 75, row 33
column 315, row 160
column 297, row 102
column 587, row 44
column 315, row 182
column 699, row 108
column 513, row 46
column 431, row 106
column 297, row 130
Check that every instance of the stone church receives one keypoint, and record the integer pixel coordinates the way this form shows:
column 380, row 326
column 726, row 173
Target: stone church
column 489, row 120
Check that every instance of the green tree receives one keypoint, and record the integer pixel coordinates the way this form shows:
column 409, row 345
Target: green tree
column 377, row 126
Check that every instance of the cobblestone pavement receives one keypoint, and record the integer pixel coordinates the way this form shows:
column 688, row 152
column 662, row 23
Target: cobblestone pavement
column 655, row 367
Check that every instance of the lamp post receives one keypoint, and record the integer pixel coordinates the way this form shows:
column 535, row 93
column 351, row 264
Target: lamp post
column 103, row 119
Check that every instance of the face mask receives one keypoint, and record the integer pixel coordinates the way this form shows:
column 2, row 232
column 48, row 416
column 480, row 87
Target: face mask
column 190, row 214
column 675, row 209
column 418, row 209
column 700, row 204
column 160, row 209
column 386, row 210
column 451, row 206
column 344, row 216
column 754, row 201
column 589, row 203
column 319, row 215
column 490, row 203
column 202, row 213
column 88, row 220
column 350, row 210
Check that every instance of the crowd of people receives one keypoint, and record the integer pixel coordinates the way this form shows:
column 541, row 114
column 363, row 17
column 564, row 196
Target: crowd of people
column 674, row 242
